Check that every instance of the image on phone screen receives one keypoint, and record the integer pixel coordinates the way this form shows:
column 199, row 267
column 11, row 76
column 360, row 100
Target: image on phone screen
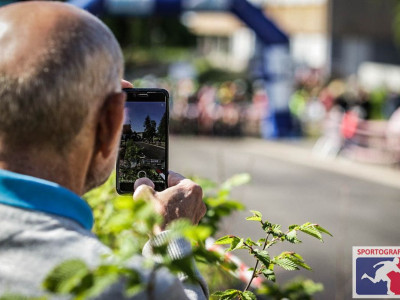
column 143, row 148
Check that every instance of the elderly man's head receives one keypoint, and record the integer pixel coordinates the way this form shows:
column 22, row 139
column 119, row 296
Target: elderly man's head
column 59, row 66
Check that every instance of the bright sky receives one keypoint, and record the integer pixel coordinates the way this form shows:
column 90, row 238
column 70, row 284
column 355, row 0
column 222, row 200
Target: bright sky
column 136, row 112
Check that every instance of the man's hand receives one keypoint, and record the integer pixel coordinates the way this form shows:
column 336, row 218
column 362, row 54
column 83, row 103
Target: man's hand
column 183, row 198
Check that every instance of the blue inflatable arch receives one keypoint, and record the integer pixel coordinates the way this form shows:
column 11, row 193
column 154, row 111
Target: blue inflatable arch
column 272, row 55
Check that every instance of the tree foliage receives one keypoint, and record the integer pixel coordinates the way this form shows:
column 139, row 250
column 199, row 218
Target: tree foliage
column 149, row 129
column 162, row 128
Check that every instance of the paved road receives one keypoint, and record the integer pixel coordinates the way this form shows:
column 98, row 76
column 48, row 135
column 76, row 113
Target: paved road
column 360, row 205
column 151, row 151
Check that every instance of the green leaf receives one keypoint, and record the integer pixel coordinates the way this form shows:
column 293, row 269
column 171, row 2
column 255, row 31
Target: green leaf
column 254, row 218
column 226, row 295
column 182, row 227
column 124, row 202
column 236, row 244
column 311, row 230
column 276, row 230
column 261, row 241
column 227, row 239
column 266, row 226
column 134, row 289
column 257, row 216
column 206, row 184
column 214, row 258
column 286, row 263
column 227, row 205
column 236, row 180
column 197, row 233
column 66, row 276
column 276, row 227
column 304, row 287
column 291, row 237
column 184, row 265
column 161, row 249
column 179, row 225
column 256, row 213
column 262, row 256
column 134, row 284
column 222, row 293
column 320, row 229
column 298, row 260
column 247, row 295
column 269, row 274
column 250, row 242
column 293, row 257
column 101, row 283
column 121, row 221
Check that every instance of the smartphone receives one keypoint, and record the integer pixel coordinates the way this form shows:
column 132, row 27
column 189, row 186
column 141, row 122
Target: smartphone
column 143, row 150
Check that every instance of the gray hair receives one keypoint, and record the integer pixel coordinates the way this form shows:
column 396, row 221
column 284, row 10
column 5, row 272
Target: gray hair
column 47, row 104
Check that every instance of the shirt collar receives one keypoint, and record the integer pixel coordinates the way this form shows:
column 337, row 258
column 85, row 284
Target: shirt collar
column 45, row 196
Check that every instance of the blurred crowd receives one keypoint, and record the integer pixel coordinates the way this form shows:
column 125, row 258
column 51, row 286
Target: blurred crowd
column 315, row 101
column 237, row 107
column 349, row 118
column 231, row 108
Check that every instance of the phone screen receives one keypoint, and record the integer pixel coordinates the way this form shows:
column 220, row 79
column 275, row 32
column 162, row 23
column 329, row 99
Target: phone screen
column 144, row 142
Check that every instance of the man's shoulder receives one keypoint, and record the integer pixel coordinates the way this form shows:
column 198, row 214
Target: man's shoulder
column 33, row 243
column 37, row 231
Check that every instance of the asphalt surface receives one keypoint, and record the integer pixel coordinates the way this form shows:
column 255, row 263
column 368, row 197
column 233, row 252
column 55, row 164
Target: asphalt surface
column 151, row 151
column 358, row 204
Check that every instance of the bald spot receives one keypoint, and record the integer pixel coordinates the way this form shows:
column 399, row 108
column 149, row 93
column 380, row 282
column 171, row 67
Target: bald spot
column 28, row 29
column 58, row 63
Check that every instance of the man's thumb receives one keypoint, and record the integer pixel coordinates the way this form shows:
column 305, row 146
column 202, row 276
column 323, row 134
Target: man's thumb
column 144, row 189
column 143, row 181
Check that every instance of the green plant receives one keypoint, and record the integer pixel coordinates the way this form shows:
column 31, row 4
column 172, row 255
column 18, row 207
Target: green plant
column 125, row 226
column 296, row 289
column 218, row 199
column 259, row 250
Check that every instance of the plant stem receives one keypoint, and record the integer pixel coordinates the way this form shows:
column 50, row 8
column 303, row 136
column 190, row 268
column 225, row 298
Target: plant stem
column 255, row 267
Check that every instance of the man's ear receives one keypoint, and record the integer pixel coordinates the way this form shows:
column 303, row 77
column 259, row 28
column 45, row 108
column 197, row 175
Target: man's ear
column 110, row 124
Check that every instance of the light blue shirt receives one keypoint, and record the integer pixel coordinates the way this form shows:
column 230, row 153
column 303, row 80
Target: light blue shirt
column 37, row 194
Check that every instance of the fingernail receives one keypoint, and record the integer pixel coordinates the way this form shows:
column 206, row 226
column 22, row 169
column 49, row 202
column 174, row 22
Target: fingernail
column 141, row 191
